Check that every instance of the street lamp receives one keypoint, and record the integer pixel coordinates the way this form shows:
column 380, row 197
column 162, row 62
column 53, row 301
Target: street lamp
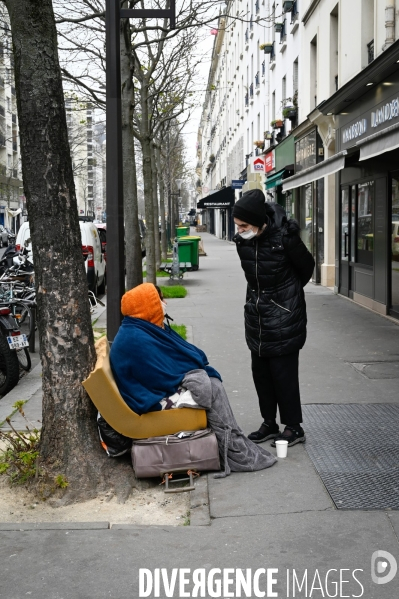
column 114, row 185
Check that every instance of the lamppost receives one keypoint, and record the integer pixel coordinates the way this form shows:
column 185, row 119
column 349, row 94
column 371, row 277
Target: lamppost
column 179, row 198
column 114, row 185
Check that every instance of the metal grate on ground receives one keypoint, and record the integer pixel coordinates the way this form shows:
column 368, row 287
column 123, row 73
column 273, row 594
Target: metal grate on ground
column 355, row 450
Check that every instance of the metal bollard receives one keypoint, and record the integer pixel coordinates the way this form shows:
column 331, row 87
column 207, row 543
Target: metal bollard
column 175, row 261
column 33, row 331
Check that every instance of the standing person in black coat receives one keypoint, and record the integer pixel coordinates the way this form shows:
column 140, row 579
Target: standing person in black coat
column 277, row 266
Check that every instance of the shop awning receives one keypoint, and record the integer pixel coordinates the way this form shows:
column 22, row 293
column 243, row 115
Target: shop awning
column 327, row 167
column 378, row 143
column 224, row 198
column 274, row 180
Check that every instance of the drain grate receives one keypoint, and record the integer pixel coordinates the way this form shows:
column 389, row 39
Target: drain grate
column 355, row 450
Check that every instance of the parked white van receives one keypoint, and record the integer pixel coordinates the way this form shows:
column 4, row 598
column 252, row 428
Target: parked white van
column 91, row 249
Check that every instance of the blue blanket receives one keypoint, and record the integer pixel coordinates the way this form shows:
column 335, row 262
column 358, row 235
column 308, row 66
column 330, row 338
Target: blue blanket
column 149, row 363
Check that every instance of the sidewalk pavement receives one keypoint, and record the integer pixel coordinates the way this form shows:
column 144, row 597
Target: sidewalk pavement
column 279, row 518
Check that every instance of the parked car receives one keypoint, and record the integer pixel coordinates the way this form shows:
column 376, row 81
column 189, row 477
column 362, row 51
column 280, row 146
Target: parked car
column 3, row 236
column 23, row 236
column 94, row 257
column 91, row 249
column 102, row 232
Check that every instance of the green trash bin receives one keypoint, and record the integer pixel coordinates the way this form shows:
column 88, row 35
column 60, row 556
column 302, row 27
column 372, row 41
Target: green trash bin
column 185, row 250
column 194, row 239
column 182, row 231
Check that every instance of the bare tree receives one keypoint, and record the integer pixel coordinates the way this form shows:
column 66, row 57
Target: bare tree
column 69, row 442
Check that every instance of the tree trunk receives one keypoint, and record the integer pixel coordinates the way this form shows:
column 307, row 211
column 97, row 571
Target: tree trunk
column 69, row 442
column 145, row 141
column 157, row 241
column 164, row 238
column 134, row 269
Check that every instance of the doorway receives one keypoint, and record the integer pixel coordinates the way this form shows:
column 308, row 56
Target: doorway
column 393, row 226
column 311, row 214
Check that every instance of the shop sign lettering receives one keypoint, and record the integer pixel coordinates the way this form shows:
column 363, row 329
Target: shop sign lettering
column 386, row 113
column 354, row 131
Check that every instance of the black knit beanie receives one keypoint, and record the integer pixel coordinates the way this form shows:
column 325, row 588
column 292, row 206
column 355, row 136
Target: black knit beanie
column 251, row 208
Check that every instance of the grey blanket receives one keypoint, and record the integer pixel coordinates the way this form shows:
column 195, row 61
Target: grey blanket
column 237, row 452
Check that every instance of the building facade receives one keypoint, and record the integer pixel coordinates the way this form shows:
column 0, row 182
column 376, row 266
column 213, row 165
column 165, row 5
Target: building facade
column 12, row 200
column 319, row 137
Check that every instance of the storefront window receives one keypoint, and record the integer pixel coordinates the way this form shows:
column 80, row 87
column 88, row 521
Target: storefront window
column 395, row 245
column 306, row 221
column 365, row 223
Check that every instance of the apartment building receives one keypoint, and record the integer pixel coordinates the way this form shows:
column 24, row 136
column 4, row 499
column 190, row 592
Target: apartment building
column 86, row 138
column 250, row 108
column 322, row 105
column 12, row 201
column 346, row 181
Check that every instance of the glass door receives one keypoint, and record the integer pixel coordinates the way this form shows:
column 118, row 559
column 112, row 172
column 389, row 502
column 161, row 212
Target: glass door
column 345, row 240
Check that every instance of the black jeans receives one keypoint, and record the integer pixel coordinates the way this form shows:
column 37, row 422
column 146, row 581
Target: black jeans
column 277, row 384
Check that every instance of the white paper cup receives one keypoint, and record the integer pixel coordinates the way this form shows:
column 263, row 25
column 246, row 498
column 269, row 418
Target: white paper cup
column 282, row 448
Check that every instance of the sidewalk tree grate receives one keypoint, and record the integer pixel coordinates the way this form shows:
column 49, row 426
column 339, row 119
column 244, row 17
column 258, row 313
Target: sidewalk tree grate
column 355, row 450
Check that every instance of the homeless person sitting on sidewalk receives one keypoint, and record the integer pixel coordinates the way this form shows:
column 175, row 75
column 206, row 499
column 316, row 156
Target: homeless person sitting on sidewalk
column 155, row 369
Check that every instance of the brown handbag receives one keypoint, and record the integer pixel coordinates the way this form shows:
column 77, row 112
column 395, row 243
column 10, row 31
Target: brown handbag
column 187, row 450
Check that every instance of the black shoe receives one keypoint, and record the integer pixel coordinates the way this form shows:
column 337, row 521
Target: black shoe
column 292, row 435
column 266, row 431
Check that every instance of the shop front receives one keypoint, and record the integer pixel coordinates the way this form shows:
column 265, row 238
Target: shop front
column 367, row 199
column 305, row 192
column 369, row 211
column 218, row 212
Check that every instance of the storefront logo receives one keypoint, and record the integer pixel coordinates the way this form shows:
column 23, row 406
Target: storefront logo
column 259, row 165
column 354, row 131
column 386, row 113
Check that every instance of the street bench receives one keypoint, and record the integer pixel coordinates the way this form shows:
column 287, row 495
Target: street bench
column 183, row 267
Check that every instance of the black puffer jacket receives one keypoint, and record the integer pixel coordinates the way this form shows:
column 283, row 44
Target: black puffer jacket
column 277, row 266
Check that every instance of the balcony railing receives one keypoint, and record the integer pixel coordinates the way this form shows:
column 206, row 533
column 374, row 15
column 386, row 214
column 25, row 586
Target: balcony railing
column 263, row 68
column 247, row 99
column 273, row 53
column 370, row 51
column 257, row 82
column 251, row 90
column 294, row 12
column 283, row 32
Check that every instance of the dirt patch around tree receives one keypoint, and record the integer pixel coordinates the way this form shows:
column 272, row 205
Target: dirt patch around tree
column 150, row 506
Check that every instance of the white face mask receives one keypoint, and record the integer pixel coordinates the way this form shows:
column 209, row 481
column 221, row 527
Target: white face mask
column 250, row 234
column 164, row 307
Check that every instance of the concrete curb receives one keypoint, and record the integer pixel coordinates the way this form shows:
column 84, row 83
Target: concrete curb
column 26, row 526
column 199, row 503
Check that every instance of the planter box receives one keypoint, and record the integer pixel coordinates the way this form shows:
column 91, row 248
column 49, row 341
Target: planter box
column 278, row 27
column 278, row 124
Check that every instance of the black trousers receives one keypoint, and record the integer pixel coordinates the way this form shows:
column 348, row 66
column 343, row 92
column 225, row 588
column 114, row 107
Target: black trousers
column 277, row 384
